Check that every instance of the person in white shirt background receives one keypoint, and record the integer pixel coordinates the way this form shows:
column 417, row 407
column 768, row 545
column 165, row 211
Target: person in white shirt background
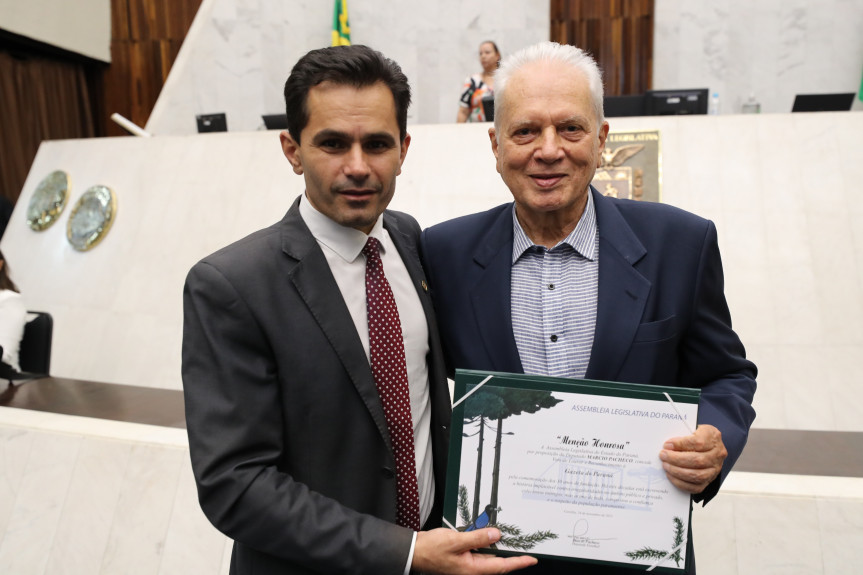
column 13, row 317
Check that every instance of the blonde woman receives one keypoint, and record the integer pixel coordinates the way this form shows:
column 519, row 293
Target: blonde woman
column 479, row 87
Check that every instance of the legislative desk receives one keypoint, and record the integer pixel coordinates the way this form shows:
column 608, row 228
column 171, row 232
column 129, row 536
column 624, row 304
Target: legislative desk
column 129, row 403
column 781, row 451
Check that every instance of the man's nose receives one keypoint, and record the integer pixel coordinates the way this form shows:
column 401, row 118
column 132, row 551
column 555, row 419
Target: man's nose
column 356, row 164
column 549, row 149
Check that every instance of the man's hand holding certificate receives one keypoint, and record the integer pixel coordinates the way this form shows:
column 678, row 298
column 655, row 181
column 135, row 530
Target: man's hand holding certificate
column 693, row 461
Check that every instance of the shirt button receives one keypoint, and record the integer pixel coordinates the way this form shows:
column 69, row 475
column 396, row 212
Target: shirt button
column 553, row 338
column 550, row 286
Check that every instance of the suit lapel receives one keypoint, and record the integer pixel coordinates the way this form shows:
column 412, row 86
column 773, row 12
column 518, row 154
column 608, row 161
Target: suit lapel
column 317, row 287
column 623, row 291
column 491, row 295
column 407, row 248
column 408, row 251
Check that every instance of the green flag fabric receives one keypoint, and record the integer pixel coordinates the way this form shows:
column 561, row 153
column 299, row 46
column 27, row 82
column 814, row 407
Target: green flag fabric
column 341, row 25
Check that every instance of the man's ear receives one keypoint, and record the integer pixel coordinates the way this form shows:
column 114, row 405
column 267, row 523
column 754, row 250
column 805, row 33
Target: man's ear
column 492, row 136
column 404, row 152
column 291, row 149
column 603, row 136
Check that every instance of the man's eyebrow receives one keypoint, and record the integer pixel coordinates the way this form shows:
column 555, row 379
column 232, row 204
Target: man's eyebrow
column 574, row 119
column 519, row 124
column 579, row 119
column 327, row 134
column 380, row 136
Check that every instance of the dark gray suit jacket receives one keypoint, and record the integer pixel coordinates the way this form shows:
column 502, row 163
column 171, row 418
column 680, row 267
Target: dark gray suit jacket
column 287, row 434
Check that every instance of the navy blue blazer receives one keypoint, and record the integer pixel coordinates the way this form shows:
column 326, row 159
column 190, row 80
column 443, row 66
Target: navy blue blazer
column 662, row 318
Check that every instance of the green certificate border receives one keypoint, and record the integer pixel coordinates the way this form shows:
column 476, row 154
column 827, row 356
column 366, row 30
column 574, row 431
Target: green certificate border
column 465, row 380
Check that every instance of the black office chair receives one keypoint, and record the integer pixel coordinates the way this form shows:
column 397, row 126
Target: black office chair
column 34, row 355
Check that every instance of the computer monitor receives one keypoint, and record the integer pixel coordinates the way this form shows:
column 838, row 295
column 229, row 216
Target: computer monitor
column 275, row 121
column 212, row 123
column 488, row 109
column 620, row 106
column 823, row 102
column 675, row 102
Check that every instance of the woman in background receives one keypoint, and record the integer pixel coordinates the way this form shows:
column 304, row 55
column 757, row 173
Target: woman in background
column 13, row 317
column 479, row 87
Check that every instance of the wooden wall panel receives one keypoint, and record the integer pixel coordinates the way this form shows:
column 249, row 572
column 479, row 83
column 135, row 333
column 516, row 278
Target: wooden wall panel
column 146, row 36
column 618, row 33
column 44, row 95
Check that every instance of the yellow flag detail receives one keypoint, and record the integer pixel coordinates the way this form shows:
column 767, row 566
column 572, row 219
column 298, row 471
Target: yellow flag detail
column 341, row 25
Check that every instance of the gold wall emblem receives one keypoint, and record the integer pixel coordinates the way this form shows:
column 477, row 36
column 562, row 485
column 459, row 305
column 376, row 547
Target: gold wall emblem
column 48, row 201
column 91, row 218
column 631, row 166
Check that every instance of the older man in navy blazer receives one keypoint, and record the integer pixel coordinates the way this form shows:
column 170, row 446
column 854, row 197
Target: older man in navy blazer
column 567, row 282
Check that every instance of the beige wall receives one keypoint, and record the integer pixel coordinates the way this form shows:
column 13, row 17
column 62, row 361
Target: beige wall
column 82, row 26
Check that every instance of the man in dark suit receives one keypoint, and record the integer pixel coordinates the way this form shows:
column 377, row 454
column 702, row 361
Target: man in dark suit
column 318, row 433
column 566, row 282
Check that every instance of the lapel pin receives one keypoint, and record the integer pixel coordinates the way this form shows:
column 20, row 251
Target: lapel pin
column 425, row 286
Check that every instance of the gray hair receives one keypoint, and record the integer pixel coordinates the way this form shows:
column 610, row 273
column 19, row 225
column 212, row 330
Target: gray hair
column 577, row 58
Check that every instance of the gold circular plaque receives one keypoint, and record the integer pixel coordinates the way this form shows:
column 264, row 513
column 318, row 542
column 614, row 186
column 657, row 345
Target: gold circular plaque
column 48, row 200
column 91, row 218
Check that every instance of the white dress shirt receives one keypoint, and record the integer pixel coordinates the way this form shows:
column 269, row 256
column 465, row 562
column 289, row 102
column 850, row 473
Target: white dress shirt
column 13, row 318
column 342, row 247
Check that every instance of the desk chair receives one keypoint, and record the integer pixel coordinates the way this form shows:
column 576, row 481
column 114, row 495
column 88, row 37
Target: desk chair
column 34, row 356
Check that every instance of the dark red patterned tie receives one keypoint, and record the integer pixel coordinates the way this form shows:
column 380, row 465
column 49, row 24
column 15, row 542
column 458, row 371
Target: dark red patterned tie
column 387, row 348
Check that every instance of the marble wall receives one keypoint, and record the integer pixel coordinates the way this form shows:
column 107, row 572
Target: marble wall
column 773, row 49
column 83, row 26
column 762, row 524
column 81, row 496
column 238, row 53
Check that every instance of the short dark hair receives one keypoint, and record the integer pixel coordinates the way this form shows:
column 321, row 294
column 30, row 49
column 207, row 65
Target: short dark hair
column 6, row 282
column 358, row 66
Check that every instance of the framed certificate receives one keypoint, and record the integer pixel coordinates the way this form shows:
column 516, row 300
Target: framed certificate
column 569, row 469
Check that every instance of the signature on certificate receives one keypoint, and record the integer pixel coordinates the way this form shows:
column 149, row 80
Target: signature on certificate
column 580, row 537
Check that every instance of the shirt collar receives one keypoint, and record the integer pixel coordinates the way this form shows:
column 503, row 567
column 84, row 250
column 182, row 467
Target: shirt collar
column 347, row 242
column 582, row 239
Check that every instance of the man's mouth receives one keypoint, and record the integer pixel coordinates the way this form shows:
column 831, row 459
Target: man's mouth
column 546, row 180
column 358, row 193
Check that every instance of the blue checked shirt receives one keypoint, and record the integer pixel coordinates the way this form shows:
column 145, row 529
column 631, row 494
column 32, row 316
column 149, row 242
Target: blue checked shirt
column 554, row 298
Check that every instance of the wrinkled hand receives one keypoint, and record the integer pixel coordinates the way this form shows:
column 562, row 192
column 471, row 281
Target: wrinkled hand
column 447, row 552
column 692, row 462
